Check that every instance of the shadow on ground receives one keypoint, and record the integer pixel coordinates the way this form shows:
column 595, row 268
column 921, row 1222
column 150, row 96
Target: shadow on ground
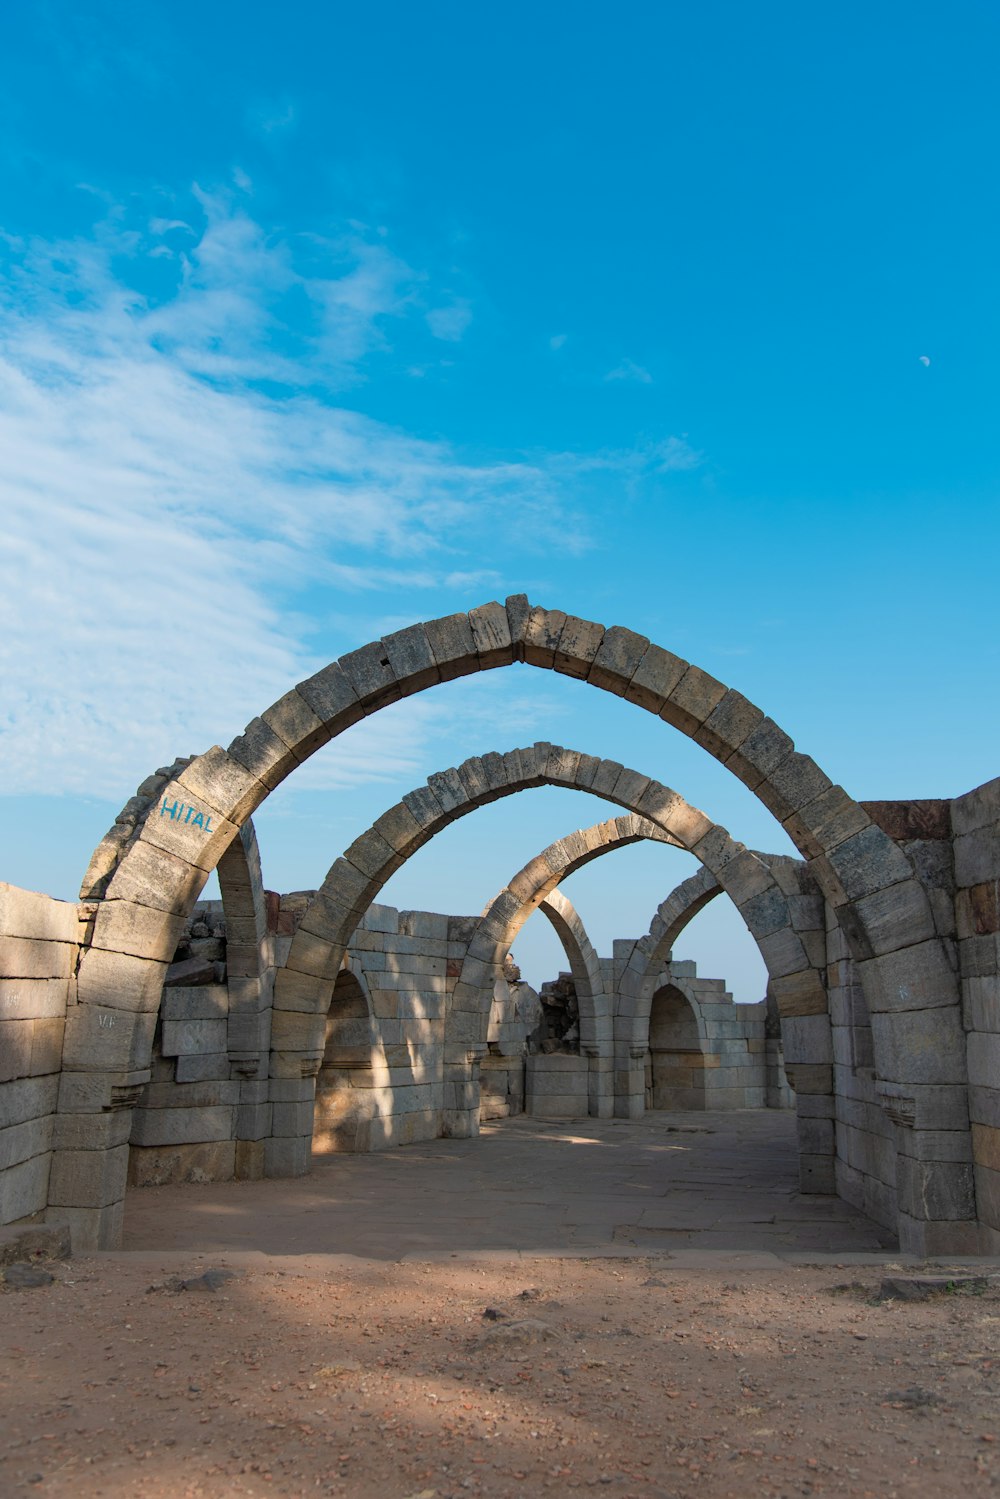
column 713, row 1181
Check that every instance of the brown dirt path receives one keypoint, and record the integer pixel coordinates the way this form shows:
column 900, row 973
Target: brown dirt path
column 380, row 1380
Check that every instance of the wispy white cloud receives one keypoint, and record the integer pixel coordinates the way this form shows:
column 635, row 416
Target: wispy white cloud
column 179, row 479
column 629, row 370
column 173, row 477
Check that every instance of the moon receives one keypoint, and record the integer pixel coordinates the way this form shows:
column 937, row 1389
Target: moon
column 924, row 360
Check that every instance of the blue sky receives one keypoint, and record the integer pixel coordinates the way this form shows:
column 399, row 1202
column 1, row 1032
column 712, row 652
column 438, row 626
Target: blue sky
column 317, row 319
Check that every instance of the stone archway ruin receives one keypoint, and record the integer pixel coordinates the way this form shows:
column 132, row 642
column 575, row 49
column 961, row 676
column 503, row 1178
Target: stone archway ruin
column 149, row 875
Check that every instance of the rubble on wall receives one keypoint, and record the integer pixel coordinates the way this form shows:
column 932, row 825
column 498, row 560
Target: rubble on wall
column 561, row 1012
column 200, row 956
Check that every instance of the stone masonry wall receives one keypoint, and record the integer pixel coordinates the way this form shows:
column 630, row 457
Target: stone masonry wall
column 39, row 947
column 976, row 832
column 187, row 1124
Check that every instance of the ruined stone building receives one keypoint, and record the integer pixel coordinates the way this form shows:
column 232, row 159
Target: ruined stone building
column 146, row 1036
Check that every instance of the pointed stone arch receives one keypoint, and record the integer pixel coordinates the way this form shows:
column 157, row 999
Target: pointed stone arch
column 153, row 869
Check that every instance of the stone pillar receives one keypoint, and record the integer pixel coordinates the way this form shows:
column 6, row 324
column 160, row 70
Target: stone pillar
column 101, row 1081
column 600, row 1083
column 460, row 1112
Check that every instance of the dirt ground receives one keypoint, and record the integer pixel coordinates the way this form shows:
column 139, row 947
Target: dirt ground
column 493, row 1377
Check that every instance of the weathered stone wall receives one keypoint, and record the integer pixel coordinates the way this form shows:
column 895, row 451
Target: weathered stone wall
column 976, row 832
column 191, row 1122
column 865, row 1162
column 39, row 947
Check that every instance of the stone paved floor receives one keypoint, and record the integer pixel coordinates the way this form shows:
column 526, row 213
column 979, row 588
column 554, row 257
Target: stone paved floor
column 686, row 1183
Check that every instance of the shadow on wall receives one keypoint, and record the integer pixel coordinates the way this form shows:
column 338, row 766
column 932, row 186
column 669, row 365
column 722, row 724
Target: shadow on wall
column 675, row 1067
column 346, row 1075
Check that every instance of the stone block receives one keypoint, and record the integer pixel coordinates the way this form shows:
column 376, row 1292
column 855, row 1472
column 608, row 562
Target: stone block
column 988, row 1195
column 579, row 642
column 196, row 1095
column 292, row 1031
column 924, row 1107
column 692, row 700
column 977, row 857
column 761, row 751
column 260, row 751
column 981, row 1004
column 817, row 1175
column 199, row 1067
column 117, row 981
column 616, row 659
column 491, row 635
column 22, row 1141
column 371, row 675
column 32, row 999
column 304, row 992
column 205, row 1002
column 920, row 1046
column 806, row 1039
column 289, row 1155
column 452, row 645
column 978, row 957
column 784, row 954
column 15, row 1049
column 193, row 1037
column 935, row 1190
column 815, row 1106
column 166, row 1165
column 181, row 1126
column 800, row 993
column 31, row 958
column 978, row 909
column 542, row 630
column 976, row 808
column 88, row 1178
column 867, row 862
column 984, row 1104
column 106, row 1040
column 292, row 1118
column 732, row 719
column 810, row 1077
column 935, row 1145
column 411, row 659
column 46, row 1046
column 104, row 1131
column 793, row 785
column 24, row 1188
column 984, row 1059
column 918, row 977
column 27, row 1098
column 249, row 1160
column 198, row 834
column 899, row 916
column 27, row 913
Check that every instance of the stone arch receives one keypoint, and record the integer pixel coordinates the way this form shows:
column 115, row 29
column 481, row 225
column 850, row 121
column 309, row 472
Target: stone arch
column 212, row 795
column 792, row 904
column 152, row 870
column 676, row 1035
column 535, row 887
column 529, row 890
column 807, row 1047
column 349, row 1067
column 585, row 966
column 355, row 879
column 244, row 905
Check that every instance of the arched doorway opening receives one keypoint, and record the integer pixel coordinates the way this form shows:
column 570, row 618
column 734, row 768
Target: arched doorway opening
column 675, row 1062
column 346, row 1079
